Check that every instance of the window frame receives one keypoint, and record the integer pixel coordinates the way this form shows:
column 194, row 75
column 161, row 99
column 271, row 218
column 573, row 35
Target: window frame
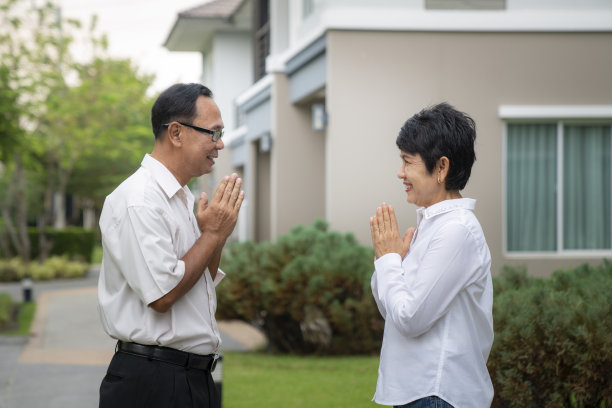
column 560, row 115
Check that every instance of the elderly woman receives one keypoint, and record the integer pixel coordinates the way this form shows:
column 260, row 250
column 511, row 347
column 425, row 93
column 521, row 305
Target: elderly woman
column 433, row 285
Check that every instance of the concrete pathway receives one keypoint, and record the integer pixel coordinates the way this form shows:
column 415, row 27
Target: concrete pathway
column 63, row 361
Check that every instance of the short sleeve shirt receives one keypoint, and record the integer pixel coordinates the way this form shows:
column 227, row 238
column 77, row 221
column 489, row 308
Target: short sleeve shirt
column 147, row 226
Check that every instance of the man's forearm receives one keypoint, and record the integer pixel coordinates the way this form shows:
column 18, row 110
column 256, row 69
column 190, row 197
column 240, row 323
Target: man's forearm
column 206, row 252
column 215, row 260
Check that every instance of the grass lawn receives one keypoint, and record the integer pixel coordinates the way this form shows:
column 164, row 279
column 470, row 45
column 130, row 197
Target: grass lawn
column 260, row 380
column 24, row 320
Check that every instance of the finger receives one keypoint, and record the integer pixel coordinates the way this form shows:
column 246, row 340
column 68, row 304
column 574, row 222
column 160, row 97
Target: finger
column 218, row 196
column 239, row 200
column 374, row 229
column 227, row 193
column 380, row 220
column 393, row 221
column 386, row 218
column 235, row 191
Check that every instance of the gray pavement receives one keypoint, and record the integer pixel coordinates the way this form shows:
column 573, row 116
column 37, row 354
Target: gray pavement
column 63, row 360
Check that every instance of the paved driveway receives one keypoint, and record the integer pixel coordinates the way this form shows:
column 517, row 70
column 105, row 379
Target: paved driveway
column 63, row 361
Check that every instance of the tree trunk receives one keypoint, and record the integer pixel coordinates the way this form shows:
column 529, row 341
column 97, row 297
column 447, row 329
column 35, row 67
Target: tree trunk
column 43, row 241
column 89, row 214
column 21, row 212
column 60, row 200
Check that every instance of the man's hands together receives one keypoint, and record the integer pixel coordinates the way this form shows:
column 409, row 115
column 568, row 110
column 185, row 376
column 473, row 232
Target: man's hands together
column 218, row 218
column 385, row 233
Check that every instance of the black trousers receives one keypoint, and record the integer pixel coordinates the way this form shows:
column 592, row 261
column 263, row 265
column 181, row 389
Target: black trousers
column 134, row 381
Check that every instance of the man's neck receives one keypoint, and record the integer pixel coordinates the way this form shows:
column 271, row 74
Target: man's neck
column 169, row 164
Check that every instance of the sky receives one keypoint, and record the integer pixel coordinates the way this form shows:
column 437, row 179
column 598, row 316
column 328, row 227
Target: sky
column 137, row 29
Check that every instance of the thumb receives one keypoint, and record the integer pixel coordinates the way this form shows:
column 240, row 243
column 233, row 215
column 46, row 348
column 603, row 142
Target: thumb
column 408, row 237
column 203, row 202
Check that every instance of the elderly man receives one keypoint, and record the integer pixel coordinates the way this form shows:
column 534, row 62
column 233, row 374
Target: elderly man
column 161, row 261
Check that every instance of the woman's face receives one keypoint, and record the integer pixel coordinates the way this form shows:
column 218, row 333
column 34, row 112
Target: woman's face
column 422, row 188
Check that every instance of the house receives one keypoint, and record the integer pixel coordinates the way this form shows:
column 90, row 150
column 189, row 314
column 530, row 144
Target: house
column 314, row 92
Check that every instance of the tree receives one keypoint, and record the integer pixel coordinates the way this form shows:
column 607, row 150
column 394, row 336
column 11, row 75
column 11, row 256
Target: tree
column 97, row 131
column 28, row 55
column 9, row 135
column 66, row 125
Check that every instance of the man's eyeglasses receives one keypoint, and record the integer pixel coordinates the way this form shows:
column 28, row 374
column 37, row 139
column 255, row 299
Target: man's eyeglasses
column 216, row 134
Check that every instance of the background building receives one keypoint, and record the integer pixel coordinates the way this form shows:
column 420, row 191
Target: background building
column 314, row 92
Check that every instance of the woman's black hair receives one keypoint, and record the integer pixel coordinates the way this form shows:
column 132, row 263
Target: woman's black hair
column 176, row 103
column 438, row 131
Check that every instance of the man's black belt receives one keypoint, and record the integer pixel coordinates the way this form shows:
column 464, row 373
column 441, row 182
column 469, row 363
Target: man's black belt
column 170, row 355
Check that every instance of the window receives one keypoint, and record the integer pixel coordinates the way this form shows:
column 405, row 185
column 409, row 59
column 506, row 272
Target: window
column 307, row 8
column 558, row 186
column 261, row 37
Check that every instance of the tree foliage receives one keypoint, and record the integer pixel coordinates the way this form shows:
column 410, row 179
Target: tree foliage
column 68, row 126
column 96, row 132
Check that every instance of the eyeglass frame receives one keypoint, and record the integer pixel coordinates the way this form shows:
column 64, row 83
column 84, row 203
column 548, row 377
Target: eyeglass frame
column 216, row 134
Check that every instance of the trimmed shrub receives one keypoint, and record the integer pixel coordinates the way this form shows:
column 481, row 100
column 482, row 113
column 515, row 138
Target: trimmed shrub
column 55, row 267
column 75, row 242
column 309, row 292
column 11, row 270
column 553, row 339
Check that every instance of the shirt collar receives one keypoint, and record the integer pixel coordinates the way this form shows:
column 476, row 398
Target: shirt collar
column 164, row 178
column 445, row 206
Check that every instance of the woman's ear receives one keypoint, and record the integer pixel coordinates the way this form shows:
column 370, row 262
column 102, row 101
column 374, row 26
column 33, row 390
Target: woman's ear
column 442, row 169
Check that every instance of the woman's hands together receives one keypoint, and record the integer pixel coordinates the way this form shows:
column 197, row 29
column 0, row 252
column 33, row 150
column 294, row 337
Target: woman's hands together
column 385, row 233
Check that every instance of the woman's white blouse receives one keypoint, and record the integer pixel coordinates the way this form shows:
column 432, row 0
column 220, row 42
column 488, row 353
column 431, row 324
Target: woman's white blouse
column 437, row 305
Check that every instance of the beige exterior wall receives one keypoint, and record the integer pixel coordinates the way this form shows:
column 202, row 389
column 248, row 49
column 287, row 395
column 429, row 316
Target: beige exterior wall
column 297, row 163
column 376, row 80
column 262, row 217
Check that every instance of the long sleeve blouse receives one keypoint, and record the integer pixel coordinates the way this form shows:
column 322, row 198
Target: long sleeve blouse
column 437, row 305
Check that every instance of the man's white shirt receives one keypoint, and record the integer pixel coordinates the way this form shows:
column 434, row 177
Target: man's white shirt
column 146, row 229
column 437, row 304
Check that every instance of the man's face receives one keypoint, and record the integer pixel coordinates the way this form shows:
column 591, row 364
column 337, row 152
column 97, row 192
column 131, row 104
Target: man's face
column 200, row 152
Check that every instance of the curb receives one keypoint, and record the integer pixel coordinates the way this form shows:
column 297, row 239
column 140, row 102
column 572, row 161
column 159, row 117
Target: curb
column 14, row 340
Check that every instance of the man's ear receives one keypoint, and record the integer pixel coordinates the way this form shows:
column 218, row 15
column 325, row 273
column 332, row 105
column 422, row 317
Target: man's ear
column 174, row 134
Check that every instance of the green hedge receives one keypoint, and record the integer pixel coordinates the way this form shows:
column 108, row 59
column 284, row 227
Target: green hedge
column 309, row 291
column 75, row 242
column 553, row 338
column 12, row 270
column 6, row 308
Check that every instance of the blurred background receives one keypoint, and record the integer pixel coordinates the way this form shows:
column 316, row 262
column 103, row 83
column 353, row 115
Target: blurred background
column 313, row 93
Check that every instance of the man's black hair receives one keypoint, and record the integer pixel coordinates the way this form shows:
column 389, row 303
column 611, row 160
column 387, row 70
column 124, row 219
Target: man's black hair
column 438, row 131
column 176, row 103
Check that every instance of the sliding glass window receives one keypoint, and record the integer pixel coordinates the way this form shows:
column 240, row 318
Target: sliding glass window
column 558, row 187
